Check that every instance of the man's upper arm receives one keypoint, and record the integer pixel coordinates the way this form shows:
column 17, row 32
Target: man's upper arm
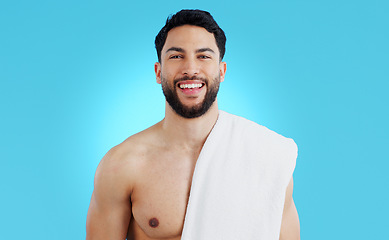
column 109, row 211
column 290, row 226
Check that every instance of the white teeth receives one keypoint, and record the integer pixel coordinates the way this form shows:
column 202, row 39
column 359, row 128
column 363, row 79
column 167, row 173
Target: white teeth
column 193, row 85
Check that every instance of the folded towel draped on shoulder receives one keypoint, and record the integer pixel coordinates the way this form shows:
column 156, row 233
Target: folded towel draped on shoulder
column 239, row 183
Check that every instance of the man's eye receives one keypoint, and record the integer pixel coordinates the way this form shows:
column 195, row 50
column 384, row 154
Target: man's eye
column 175, row 56
column 204, row 57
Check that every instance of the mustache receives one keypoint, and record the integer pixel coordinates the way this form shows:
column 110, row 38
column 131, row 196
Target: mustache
column 184, row 78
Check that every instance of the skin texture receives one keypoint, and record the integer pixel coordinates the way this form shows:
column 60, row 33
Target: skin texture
column 153, row 223
column 290, row 226
column 142, row 185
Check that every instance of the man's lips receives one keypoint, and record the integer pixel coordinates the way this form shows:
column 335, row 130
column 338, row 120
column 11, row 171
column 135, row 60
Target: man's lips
column 190, row 84
column 190, row 87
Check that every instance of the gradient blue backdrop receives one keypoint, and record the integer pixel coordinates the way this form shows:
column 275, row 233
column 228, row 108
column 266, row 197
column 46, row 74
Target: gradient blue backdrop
column 76, row 78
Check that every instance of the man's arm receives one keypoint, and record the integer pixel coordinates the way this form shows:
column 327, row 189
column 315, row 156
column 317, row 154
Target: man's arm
column 109, row 211
column 290, row 226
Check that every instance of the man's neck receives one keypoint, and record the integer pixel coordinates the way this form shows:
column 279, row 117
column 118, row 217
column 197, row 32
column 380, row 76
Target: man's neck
column 189, row 132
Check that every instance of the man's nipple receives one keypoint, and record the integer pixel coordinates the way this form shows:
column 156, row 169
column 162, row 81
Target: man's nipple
column 153, row 222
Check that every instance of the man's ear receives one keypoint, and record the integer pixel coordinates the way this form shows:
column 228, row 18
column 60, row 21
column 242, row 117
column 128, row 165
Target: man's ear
column 157, row 69
column 223, row 69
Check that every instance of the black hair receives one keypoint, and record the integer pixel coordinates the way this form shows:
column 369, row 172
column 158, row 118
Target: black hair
column 196, row 18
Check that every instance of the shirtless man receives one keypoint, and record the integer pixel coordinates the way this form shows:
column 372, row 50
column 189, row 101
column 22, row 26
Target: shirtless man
column 142, row 185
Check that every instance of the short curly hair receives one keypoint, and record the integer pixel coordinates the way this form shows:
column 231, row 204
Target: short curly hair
column 196, row 17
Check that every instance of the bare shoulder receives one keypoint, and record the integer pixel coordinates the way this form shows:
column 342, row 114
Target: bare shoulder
column 122, row 163
column 109, row 212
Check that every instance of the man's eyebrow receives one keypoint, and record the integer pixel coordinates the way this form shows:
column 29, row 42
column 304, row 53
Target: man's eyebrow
column 177, row 49
column 201, row 50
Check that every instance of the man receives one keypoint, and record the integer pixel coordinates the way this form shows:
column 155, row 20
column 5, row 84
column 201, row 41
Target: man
column 183, row 178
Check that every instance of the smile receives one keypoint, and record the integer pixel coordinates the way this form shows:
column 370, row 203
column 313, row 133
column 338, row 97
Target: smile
column 190, row 86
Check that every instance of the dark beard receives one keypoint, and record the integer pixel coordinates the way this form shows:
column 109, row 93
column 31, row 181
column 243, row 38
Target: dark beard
column 194, row 111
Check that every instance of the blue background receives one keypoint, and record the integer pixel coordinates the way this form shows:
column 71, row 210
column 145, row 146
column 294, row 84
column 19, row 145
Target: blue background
column 76, row 78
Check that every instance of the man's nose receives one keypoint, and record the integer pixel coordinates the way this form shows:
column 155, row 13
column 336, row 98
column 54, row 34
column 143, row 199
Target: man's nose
column 190, row 67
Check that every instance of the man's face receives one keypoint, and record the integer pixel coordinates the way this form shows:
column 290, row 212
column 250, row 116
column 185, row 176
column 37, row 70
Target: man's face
column 190, row 71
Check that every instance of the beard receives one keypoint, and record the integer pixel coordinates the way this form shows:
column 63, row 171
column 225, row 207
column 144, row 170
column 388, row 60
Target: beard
column 198, row 109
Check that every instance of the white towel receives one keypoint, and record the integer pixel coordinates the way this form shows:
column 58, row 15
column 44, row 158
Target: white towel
column 239, row 182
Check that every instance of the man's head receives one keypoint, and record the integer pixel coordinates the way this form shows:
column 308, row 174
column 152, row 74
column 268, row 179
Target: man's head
column 189, row 65
column 195, row 18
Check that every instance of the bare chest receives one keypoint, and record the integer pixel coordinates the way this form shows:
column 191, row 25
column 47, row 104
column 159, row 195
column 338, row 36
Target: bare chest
column 161, row 195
